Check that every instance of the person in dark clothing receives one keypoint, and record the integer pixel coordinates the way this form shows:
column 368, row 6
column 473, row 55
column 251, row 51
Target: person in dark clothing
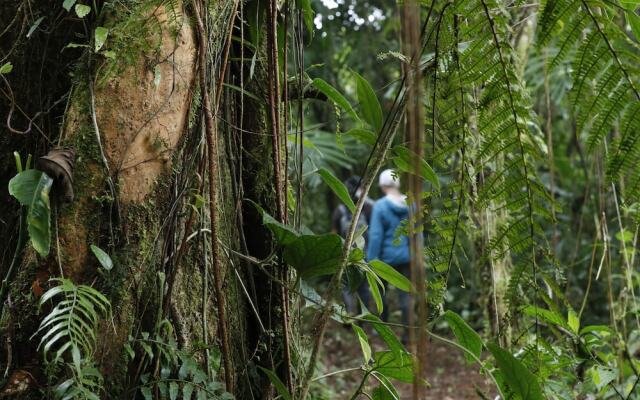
column 384, row 242
column 340, row 222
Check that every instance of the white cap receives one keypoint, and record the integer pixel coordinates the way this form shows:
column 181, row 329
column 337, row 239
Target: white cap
column 388, row 178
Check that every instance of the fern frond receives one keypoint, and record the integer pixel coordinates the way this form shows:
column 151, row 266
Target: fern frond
column 626, row 152
column 71, row 326
column 604, row 94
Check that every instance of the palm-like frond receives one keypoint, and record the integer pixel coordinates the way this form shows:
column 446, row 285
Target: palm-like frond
column 69, row 331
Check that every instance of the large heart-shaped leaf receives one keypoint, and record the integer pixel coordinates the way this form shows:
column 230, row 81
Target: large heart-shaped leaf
column 394, row 365
column 386, row 390
column 314, row 255
column 282, row 233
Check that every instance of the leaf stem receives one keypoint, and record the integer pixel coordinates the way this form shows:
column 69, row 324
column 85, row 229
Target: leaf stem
column 469, row 353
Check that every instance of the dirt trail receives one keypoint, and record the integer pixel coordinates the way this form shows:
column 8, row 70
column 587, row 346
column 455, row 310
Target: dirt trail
column 449, row 374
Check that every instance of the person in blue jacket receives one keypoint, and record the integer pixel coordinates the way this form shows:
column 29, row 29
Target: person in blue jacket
column 386, row 243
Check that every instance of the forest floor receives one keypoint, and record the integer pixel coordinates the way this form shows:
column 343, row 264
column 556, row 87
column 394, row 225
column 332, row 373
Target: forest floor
column 449, row 375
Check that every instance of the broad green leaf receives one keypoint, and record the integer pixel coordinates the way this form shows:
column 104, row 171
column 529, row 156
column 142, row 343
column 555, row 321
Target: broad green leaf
column 67, row 4
column 243, row 91
column 386, row 334
column 280, row 387
column 130, row 352
column 307, row 12
column 634, row 21
column 369, row 104
column 546, row 315
column 102, row 257
column 386, row 390
column 596, row 328
column 375, row 291
column 283, row 234
column 314, row 255
column 6, row 68
column 34, row 26
column 82, row 10
column 364, row 342
column 356, row 255
column 336, row 97
column 312, row 298
column 391, row 275
column 382, row 393
column 573, row 321
column 100, row 37
column 23, row 186
column 467, row 337
column 338, row 188
column 405, row 160
column 31, row 188
column 602, row 376
column 519, row 379
column 394, row 365
column 363, row 135
column 62, row 388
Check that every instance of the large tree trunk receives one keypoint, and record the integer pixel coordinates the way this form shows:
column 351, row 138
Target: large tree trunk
column 138, row 135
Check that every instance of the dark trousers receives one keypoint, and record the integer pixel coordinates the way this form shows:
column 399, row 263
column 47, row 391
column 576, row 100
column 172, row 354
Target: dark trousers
column 351, row 302
column 350, row 299
column 403, row 297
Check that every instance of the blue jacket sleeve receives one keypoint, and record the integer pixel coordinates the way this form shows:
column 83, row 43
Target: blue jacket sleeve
column 375, row 233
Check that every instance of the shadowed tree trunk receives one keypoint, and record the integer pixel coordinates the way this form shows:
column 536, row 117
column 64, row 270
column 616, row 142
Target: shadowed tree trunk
column 133, row 114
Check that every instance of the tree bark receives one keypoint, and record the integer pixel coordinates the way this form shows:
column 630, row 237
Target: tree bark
column 138, row 138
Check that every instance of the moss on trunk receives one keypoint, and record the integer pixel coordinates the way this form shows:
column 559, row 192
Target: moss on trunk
column 150, row 133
